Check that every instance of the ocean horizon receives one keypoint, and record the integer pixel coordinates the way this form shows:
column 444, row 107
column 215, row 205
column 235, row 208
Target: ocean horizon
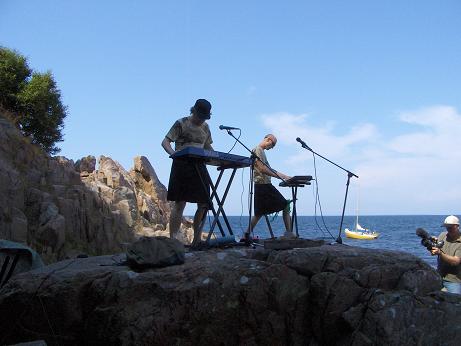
column 397, row 232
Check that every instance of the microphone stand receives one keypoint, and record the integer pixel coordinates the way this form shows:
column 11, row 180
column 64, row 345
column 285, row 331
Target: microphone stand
column 253, row 158
column 349, row 176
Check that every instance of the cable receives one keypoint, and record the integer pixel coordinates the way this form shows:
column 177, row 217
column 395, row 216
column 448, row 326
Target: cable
column 28, row 306
column 250, row 230
column 48, row 319
column 241, row 202
column 236, row 141
column 315, row 195
column 243, row 187
column 317, row 199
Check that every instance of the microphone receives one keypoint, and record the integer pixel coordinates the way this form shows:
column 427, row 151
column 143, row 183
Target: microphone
column 223, row 127
column 303, row 144
column 421, row 232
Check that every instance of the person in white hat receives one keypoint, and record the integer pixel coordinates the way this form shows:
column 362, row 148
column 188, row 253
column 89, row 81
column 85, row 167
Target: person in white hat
column 449, row 255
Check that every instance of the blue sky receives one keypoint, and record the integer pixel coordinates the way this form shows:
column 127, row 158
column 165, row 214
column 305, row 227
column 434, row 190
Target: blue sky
column 373, row 86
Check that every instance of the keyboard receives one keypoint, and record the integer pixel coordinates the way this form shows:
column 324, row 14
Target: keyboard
column 297, row 180
column 213, row 158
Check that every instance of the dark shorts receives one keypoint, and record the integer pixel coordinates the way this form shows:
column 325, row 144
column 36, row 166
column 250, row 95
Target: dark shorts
column 185, row 184
column 268, row 199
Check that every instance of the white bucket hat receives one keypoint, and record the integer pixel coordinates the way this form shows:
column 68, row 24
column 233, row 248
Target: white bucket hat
column 451, row 220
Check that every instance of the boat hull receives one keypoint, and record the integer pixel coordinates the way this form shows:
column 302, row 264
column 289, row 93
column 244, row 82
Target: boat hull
column 361, row 235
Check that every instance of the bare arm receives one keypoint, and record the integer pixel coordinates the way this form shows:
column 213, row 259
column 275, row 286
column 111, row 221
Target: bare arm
column 271, row 172
column 208, row 141
column 451, row 260
column 166, row 144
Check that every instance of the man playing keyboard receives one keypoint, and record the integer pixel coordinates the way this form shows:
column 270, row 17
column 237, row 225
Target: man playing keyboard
column 267, row 199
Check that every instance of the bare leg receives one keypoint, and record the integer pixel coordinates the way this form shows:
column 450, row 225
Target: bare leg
column 176, row 218
column 202, row 209
column 287, row 219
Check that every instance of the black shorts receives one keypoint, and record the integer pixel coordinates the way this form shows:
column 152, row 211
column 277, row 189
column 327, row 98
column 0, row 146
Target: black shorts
column 185, row 184
column 268, row 199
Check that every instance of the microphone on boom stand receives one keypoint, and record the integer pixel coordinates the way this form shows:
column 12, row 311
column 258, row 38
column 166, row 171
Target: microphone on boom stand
column 303, row 144
column 349, row 176
column 228, row 128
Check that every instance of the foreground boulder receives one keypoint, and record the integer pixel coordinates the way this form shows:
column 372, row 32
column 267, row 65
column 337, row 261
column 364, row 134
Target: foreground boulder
column 330, row 294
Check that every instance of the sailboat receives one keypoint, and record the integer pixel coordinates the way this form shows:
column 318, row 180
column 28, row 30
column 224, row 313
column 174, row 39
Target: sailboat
column 359, row 232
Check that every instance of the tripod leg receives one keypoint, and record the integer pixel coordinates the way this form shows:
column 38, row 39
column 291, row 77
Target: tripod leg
column 339, row 240
column 252, row 167
column 269, row 226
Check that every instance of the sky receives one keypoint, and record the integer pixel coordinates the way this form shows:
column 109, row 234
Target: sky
column 373, row 86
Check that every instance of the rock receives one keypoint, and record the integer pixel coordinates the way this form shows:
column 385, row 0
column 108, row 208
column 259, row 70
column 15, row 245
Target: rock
column 127, row 210
column 155, row 207
column 48, row 211
column 112, row 174
column 60, row 171
column 340, row 276
column 396, row 318
column 60, row 208
column 285, row 244
column 52, row 234
column 86, row 165
column 32, row 343
column 143, row 166
column 159, row 227
column 13, row 224
column 185, row 234
column 147, row 232
column 64, row 162
column 18, row 226
column 227, row 297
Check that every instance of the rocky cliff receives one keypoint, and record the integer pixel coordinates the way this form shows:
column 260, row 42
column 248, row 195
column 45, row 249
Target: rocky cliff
column 322, row 295
column 61, row 208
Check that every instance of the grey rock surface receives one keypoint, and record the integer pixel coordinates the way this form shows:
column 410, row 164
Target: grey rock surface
column 325, row 295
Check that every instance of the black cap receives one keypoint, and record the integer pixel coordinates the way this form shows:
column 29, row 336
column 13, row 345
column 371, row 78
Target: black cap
column 202, row 109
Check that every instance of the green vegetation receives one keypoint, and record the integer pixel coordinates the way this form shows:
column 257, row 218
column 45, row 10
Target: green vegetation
column 34, row 100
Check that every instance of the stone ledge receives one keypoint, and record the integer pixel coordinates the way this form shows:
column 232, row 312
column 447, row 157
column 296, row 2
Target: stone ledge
column 286, row 244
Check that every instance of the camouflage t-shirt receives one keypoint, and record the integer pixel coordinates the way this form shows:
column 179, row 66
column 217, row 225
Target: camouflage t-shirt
column 186, row 134
column 452, row 248
column 259, row 177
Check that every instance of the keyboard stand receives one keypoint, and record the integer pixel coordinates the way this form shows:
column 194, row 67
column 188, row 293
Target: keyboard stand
column 269, row 226
column 223, row 161
column 214, row 196
column 220, row 202
column 294, row 183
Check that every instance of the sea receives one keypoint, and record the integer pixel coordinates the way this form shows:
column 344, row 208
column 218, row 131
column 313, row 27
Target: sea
column 397, row 232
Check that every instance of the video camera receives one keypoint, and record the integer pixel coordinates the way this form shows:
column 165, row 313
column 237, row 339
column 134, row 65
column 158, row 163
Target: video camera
column 427, row 240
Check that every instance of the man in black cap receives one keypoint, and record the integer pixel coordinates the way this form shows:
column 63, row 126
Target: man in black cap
column 185, row 184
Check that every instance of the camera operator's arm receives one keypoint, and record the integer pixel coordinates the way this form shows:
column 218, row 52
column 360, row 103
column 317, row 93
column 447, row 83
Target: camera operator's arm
column 451, row 260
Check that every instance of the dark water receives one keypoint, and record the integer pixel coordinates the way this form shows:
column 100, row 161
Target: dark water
column 396, row 232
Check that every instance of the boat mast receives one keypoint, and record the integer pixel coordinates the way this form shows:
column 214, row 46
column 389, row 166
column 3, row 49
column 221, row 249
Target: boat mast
column 357, row 207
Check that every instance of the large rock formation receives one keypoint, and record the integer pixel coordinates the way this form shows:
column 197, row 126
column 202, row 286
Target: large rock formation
column 62, row 209
column 324, row 295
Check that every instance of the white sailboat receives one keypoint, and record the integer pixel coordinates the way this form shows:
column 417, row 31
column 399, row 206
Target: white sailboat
column 359, row 232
